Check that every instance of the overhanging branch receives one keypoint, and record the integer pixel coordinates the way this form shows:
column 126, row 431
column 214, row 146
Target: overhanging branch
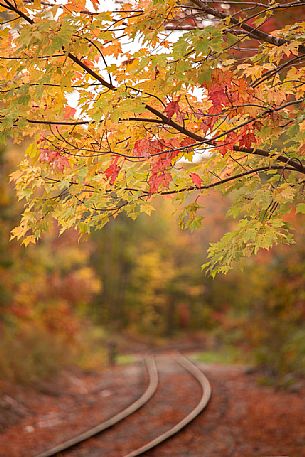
column 252, row 32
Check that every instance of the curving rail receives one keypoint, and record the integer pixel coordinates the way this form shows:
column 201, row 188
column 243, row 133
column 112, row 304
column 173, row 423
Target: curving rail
column 204, row 400
column 132, row 408
column 150, row 363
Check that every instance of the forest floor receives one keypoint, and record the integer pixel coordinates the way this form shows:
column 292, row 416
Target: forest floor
column 243, row 419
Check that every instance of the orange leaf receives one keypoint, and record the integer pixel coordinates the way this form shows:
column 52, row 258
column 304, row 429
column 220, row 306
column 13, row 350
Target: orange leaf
column 76, row 5
column 95, row 3
column 69, row 112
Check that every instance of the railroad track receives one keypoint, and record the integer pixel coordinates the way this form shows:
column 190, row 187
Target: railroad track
column 143, row 400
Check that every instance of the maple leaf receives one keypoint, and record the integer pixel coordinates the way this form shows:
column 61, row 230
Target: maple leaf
column 47, row 155
column 218, row 96
column 113, row 170
column 61, row 163
column 158, row 180
column 247, row 139
column 187, row 141
column 267, row 26
column 190, row 21
column 142, row 147
column 76, row 5
column 221, row 94
column 217, row 89
column 77, row 76
column 112, row 49
column 227, row 145
column 197, row 180
column 225, row 90
column 160, row 176
column 95, row 3
column 54, row 158
column 146, row 147
column 163, row 162
column 69, row 112
column 172, row 108
column 88, row 63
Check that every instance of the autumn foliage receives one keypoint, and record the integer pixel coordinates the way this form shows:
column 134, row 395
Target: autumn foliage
column 44, row 293
column 156, row 98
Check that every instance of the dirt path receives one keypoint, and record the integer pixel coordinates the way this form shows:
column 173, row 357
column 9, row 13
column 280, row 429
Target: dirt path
column 242, row 420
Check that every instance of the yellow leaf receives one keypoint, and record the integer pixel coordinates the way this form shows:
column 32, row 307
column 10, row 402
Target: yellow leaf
column 29, row 240
column 32, row 151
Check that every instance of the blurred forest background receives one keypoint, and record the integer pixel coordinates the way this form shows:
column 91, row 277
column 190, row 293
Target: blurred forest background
column 141, row 281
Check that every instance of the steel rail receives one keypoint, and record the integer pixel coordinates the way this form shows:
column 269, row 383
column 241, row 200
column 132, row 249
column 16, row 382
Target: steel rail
column 202, row 404
column 132, row 408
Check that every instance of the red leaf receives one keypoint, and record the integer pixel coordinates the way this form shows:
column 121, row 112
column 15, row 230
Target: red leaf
column 230, row 140
column 146, row 147
column 172, row 108
column 196, row 179
column 113, row 170
column 69, row 112
column 190, row 21
column 157, row 180
column 247, row 140
column 187, row 142
column 218, row 96
column 268, row 26
column 141, row 148
column 61, row 163
column 54, row 158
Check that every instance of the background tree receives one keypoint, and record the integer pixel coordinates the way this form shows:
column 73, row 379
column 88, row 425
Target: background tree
column 44, row 293
column 151, row 274
column 156, row 292
column 273, row 315
column 153, row 290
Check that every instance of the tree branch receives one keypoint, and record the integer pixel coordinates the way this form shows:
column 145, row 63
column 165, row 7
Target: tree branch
column 297, row 165
column 110, row 86
column 164, row 119
column 226, row 180
column 251, row 31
